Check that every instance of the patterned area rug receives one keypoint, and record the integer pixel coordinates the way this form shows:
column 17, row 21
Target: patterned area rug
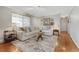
column 31, row 45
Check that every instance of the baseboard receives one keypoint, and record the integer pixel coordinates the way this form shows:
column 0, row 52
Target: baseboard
column 74, row 41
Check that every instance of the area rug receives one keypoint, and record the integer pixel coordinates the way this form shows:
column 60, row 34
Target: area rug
column 31, row 45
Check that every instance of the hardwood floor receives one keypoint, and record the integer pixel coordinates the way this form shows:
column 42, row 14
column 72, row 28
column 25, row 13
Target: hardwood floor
column 8, row 47
column 64, row 44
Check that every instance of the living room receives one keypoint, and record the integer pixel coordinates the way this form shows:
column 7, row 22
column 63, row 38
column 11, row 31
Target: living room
column 38, row 28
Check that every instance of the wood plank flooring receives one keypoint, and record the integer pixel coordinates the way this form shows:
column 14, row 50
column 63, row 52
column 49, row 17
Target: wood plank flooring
column 8, row 47
column 64, row 44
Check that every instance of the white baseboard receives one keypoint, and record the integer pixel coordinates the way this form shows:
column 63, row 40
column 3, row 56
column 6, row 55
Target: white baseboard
column 74, row 41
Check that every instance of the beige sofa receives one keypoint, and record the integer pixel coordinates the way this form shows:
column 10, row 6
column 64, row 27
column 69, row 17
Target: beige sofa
column 24, row 35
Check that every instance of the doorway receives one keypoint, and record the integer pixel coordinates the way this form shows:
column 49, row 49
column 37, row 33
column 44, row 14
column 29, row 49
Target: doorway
column 64, row 24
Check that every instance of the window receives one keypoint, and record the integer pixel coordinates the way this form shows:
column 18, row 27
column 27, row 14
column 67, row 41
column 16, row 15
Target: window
column 26, row 21
column 20, row 21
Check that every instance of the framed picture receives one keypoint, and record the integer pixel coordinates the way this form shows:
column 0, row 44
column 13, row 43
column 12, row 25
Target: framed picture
column 46, row 21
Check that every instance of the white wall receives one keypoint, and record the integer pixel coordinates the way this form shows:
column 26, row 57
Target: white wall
column 36, row 22
column 5, row 20
column 57, row 19
column 73, row 27
column 5, row 17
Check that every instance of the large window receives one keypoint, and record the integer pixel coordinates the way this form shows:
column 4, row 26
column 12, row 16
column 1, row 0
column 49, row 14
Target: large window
column 26, row 21
column 20, row 21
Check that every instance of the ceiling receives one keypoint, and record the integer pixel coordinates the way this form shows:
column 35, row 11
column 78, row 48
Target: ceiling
column 39, row 11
